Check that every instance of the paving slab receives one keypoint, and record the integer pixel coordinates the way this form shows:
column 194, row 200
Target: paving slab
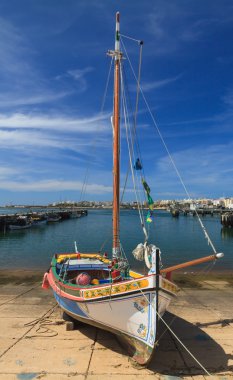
column 111, row 376
column 34, row 295
column 23, row 310
column 30, row 300
column 42, row 376
column 14, row 290
column 56, row 329
column 3, row 299
column 5, row 344
column 34, row 355
column 12, row 327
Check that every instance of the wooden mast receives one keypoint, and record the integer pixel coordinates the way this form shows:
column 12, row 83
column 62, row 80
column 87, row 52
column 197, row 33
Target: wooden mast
column 116, row 143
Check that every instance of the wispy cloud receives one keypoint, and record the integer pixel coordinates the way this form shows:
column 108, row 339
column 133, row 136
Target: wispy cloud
column 14, row 47
column 160, row 83
column 22, row 81
column 78, row 75
column 174, row 24
column 63, row 123
column 45, row 144
column 6, row 172
column 204, row 170
column 9, row 99
column 53, row 144
column 54, row 185
column 42, row 145
column 228, row 99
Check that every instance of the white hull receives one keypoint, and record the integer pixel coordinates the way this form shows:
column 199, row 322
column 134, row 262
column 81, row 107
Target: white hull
column 132, row 316
column 15, row 227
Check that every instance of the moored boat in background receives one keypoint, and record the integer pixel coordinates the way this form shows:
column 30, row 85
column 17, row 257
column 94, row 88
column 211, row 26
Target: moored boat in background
column 53, row 218
column 20, row 223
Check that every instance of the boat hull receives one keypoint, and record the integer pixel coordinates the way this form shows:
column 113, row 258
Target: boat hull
column 18, row 227
column 128, row 307
column 132, row 317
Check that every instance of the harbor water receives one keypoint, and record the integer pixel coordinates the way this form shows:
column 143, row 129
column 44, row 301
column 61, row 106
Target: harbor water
column 180, row 239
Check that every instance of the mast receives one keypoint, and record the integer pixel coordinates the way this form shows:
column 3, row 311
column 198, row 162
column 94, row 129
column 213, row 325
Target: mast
column 116, row 142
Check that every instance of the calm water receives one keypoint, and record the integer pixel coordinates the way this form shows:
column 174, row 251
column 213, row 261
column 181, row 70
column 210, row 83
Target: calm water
column 180, row 239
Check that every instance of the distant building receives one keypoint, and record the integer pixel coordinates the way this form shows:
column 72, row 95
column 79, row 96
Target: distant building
column 228, row 203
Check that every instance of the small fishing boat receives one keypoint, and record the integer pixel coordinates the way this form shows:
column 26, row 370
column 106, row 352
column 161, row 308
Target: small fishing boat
column 53, row 218
column 74, row 214
column 175, row 212
column 38, row 219
column 37, row 222
column 103, row 291
column 22, row 222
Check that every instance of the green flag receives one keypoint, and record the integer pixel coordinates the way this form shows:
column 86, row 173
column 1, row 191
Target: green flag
column 146, row 187
column 150, row 202
column 149, row 217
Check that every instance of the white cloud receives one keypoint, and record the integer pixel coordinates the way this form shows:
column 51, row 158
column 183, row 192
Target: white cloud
column 202, row 168
column 22, row 81
column 22, row 139
column 52, row 144
column 228, row 99
column 14, row 47
column 54, row 185
column 173, row 24
column 16, row 99
column 33, row 144
column 158, row 84
column 6, row 172
column 79, row 76
column 49, row 122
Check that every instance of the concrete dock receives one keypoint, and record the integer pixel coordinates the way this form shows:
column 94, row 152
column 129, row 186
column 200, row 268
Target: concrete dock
column 36, row 344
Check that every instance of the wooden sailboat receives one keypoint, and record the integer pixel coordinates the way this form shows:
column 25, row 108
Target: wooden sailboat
column 103, row 291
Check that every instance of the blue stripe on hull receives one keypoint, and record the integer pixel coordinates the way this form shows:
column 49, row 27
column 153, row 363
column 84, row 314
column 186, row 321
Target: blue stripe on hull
column 70, row 306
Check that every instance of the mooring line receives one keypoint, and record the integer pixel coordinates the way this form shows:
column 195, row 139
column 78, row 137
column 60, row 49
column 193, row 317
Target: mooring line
column 19, row 339
column 19, row 295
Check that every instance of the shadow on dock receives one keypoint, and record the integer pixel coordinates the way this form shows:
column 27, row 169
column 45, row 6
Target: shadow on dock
column 169, row 357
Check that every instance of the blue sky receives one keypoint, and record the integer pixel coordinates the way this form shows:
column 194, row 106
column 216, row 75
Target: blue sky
column 53, row 71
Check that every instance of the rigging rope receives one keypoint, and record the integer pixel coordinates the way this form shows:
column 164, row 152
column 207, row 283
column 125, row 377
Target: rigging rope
column 169, row 155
